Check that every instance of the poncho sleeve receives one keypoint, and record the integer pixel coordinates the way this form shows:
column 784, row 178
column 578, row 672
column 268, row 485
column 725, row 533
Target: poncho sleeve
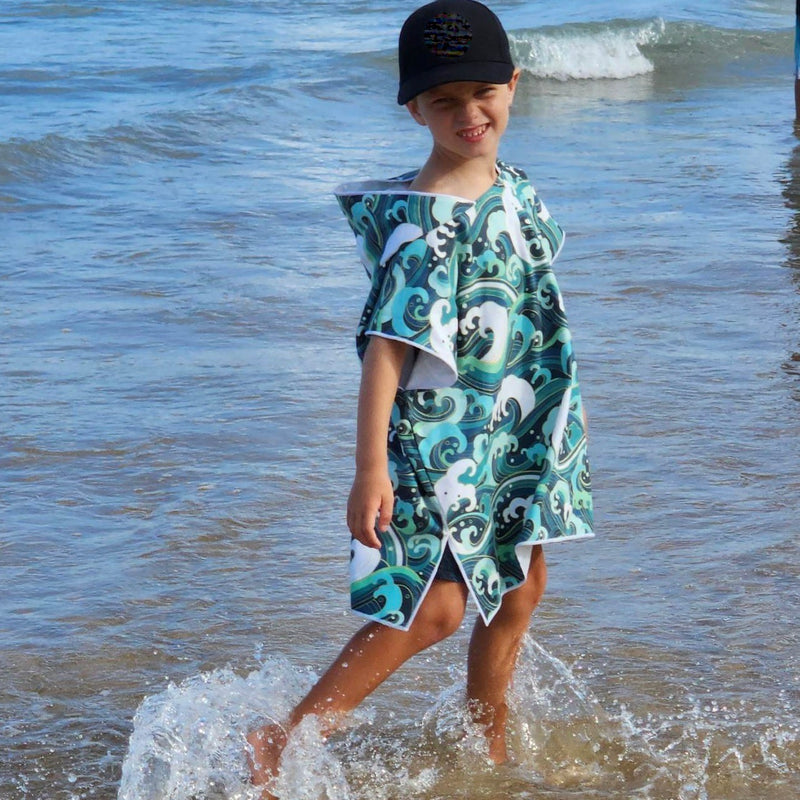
column 410, row 247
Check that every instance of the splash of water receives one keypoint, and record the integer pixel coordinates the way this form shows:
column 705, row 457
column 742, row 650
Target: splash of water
column 701, row 749
column 188, row 743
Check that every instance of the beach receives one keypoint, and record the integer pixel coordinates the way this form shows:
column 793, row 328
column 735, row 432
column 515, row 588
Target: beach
column 179, row 294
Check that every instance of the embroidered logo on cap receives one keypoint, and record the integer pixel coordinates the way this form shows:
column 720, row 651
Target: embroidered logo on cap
column 448, row 35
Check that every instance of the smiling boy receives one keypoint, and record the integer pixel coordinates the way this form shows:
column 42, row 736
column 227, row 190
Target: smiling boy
column 466, row 120
column 471, row 440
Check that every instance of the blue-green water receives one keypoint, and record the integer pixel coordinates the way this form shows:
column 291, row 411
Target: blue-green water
column 178, row 296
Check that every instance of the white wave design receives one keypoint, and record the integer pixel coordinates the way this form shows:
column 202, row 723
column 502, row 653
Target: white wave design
column 582, row 52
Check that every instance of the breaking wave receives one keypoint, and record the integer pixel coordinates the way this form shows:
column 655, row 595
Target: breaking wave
column 621, row 49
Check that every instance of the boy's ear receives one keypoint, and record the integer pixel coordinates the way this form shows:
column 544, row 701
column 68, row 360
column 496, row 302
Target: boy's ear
column 413, row 109
column 512, row 84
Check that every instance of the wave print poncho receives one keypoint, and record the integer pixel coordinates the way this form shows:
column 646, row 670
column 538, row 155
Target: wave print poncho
column 487, row 447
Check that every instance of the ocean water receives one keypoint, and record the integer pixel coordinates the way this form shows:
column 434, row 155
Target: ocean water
column 178, row 295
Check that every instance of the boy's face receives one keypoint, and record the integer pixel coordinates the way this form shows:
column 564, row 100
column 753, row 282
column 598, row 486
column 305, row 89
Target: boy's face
column 466, row 118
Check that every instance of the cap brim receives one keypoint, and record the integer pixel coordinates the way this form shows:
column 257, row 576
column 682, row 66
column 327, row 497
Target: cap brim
column 482, row 71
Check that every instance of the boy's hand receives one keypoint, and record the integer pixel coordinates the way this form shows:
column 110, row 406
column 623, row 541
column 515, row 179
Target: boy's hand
column 370, row 497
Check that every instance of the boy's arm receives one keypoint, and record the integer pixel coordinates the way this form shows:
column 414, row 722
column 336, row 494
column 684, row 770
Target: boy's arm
column 372, row 495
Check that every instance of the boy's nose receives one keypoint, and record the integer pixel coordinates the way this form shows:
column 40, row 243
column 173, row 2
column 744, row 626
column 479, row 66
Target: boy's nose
column 468, row 113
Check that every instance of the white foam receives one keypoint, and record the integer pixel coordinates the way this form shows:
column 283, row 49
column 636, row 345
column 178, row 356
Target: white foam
column 188, row 742
column 580, row 52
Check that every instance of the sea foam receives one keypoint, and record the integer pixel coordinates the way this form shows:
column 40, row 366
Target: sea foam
column 570, row 52
column 188, row 742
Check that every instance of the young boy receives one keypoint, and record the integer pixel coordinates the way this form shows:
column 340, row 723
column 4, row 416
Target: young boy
column 467, row 363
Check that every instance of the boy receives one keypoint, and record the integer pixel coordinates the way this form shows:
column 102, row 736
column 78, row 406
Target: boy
column 467, row 363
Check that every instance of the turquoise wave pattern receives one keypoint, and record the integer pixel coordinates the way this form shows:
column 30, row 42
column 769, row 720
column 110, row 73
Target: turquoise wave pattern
column 487, row 443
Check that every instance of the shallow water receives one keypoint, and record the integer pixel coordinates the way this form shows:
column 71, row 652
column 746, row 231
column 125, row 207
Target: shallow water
column 177, row 385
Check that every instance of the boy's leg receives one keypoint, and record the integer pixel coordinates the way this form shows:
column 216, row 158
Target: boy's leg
column 370, row 657
column 493, row 653
column 377, row 650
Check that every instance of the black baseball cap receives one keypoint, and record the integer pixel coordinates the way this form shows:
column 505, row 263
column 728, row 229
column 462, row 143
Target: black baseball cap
column 451, row 40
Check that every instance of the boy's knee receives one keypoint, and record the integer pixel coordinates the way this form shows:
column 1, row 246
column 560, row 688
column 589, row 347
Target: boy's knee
column 445, row 623
column 437, row 623
column 520, row 603
column 536, row 581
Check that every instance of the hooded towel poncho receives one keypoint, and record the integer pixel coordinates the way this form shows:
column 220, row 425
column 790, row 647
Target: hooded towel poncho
column 487, row 447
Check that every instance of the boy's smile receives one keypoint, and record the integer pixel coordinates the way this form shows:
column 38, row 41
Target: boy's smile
column 473, row 134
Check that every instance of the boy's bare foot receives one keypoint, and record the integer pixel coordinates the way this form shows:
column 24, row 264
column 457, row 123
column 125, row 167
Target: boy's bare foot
column 267, row 744
column 498, row 753
column 493, row 722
